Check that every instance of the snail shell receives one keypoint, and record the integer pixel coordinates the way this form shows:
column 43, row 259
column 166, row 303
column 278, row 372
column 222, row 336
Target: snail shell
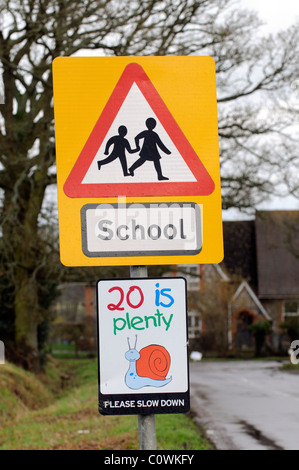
column 154, row 362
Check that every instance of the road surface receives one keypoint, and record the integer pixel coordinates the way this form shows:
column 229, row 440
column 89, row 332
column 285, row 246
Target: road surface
column 246, row 405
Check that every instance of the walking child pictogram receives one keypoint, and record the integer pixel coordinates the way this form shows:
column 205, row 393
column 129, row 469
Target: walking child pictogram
column 119, row 150
column 149, row 151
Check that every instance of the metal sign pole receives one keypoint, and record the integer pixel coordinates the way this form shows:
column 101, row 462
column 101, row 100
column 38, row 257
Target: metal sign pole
column 146, row 423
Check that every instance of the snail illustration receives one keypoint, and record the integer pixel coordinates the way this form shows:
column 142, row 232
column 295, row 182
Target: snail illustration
column 148, row 367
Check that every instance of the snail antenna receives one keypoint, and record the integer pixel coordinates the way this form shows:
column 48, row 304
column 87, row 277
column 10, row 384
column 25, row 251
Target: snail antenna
column 135, row 342
column 129, row 343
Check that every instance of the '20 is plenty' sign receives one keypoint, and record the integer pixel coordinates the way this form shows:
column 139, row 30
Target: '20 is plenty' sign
column 143, row 346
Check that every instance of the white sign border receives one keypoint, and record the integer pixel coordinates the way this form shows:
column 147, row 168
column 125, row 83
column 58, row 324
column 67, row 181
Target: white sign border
column 144, row 403
column 139, row 252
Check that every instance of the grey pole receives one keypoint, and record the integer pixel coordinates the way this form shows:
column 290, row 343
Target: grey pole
column 147, row 432
column 146, row 423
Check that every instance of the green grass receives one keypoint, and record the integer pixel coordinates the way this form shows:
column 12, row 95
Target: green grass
column 179, row 432
column 66, row 351
column 20, row 392
column 288, row 366
column 58, row 410
column 63, row 347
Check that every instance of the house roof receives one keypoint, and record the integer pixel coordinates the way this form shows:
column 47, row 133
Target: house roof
column 244, row 286
column 277, row 245
column 239, row 249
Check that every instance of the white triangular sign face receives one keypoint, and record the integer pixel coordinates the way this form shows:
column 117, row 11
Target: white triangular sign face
column 133, row 114
column 164, row 163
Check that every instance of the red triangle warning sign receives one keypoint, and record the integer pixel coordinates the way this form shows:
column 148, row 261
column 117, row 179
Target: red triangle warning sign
column 136, row 148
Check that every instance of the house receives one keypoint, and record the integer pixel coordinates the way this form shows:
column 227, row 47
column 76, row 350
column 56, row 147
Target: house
column 74, row 316
column 257, row 281
column 271, row 277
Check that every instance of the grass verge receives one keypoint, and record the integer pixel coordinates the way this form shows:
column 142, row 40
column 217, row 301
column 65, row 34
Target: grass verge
column 58, row 410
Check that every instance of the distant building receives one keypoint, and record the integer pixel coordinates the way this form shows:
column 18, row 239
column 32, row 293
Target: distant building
column 258, row 280
column 265, row 253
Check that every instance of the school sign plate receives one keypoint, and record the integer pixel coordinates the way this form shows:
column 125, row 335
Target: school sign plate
column 141, row 229
column 137, row 160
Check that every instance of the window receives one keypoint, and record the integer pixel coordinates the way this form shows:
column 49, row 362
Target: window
column 194, row 324
column 191, row 273
column 290, row 308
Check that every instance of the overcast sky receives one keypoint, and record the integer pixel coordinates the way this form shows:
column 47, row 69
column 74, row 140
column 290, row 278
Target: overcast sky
column 278, row 14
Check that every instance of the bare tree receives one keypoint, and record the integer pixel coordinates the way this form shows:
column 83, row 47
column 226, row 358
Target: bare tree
column 33, row 32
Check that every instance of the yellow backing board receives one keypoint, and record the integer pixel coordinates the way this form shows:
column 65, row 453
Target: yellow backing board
column 83, row 87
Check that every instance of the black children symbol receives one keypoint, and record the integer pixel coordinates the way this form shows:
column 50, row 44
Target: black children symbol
column 120, row 145
column 148, row 367
column 149, row 151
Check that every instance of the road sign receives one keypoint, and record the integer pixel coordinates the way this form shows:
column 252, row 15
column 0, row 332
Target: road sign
column 141, row 229
column 135, row 133
column 135, row 102
column 143, row 353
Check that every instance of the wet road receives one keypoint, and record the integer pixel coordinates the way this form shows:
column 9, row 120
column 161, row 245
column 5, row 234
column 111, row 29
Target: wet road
column 248, row 405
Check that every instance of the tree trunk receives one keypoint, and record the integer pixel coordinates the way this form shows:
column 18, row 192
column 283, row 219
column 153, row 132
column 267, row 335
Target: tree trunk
column 24, row 258
column 26, row 323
